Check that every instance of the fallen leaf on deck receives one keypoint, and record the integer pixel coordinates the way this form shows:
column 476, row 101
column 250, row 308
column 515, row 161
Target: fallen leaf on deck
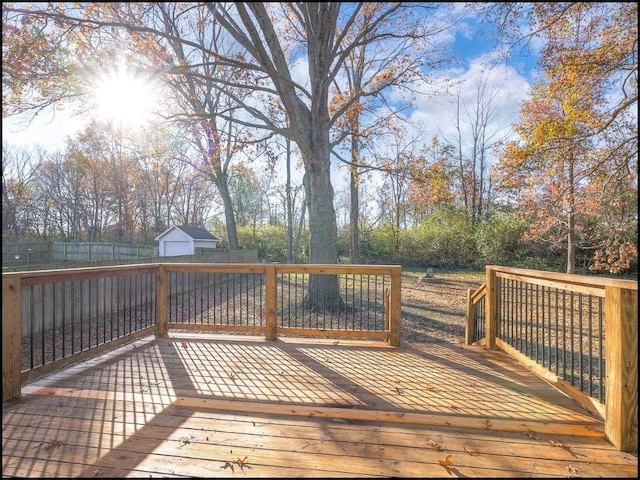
column 573, row 471
column 185, row 345
column 446, row 462
column 52, row 443
column 565, row 446
column 469, row 451
column 241, row 462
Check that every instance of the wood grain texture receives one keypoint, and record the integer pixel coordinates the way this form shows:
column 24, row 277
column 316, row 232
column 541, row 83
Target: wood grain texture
column 11, row 335
column 621, row 314
column 221, row 406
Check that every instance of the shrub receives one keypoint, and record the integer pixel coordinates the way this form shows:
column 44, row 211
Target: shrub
column 498, row 238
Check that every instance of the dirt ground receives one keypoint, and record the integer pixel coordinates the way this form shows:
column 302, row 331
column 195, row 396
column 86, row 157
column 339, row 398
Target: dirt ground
column 433, row 309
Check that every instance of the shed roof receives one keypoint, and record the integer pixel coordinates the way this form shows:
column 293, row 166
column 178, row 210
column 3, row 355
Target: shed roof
column 197, row 233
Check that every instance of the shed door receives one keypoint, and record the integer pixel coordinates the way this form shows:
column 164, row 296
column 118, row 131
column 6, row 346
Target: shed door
column 171, row 249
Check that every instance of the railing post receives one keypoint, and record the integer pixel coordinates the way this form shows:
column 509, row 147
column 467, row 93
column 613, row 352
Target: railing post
column 395, row 310
column 11, row 337
column 621, row 396
column 491, row 308
column 271, row 302
column 469, row 326
column 387, row 308
column 162, row 295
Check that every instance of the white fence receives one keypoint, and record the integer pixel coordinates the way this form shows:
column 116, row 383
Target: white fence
column 31, row 253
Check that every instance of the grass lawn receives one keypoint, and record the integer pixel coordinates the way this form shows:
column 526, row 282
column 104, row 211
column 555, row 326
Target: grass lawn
column 434, row 310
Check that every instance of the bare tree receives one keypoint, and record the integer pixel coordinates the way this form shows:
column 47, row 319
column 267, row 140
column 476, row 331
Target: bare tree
column 19, row 167
column 476, row 134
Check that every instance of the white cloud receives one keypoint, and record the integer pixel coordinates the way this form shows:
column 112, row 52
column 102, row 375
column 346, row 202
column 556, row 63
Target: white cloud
column 435, row 109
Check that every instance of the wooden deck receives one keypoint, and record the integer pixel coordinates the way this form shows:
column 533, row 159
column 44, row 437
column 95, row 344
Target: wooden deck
column 231, row 406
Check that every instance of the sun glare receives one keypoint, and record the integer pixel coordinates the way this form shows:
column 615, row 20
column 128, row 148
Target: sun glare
column 124, row 99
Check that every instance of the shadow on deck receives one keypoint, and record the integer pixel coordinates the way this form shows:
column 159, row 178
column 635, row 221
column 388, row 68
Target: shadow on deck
column 207, row 405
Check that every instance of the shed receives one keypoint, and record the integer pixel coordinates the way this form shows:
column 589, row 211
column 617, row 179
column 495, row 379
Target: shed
column 183, row 240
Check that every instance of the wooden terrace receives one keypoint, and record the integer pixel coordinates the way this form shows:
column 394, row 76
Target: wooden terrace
column 207, row 406
column 202, row 404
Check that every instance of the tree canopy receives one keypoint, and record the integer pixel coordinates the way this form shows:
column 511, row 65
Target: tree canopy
column 322, row 82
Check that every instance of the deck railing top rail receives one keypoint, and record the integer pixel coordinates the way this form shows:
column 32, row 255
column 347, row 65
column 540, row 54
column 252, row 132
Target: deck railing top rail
column 572, row 279
column 53, row 276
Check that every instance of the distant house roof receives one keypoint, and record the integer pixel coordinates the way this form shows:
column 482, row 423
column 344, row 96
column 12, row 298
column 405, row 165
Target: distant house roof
column 197, row 233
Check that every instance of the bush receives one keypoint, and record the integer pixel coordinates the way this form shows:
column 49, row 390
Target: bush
column 377, row 245
column 271, row 242
column 498, row 238
column 445, row 239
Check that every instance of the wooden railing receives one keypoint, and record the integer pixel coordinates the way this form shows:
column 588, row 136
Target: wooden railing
column 52, row 318
column 474, row 326
column 578, row 332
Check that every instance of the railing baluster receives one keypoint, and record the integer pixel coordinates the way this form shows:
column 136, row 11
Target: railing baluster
column 590, row 339
column 564, row 335
column 580, row 341
column 572, row 334
column 64, row 318
column 601, row 352
column 53, row 323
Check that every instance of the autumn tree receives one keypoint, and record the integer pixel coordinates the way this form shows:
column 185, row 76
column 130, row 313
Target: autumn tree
column 65, row 188
column 403, row 155
column 247, row 195
column 161, row 175
column 292, row 198
column 574, row 172
column 431, row 180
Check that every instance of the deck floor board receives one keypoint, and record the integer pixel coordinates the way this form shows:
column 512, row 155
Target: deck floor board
column 189, row 405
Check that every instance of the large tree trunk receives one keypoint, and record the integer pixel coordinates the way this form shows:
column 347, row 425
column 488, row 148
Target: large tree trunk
column 323, row 294
column 309, row 123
